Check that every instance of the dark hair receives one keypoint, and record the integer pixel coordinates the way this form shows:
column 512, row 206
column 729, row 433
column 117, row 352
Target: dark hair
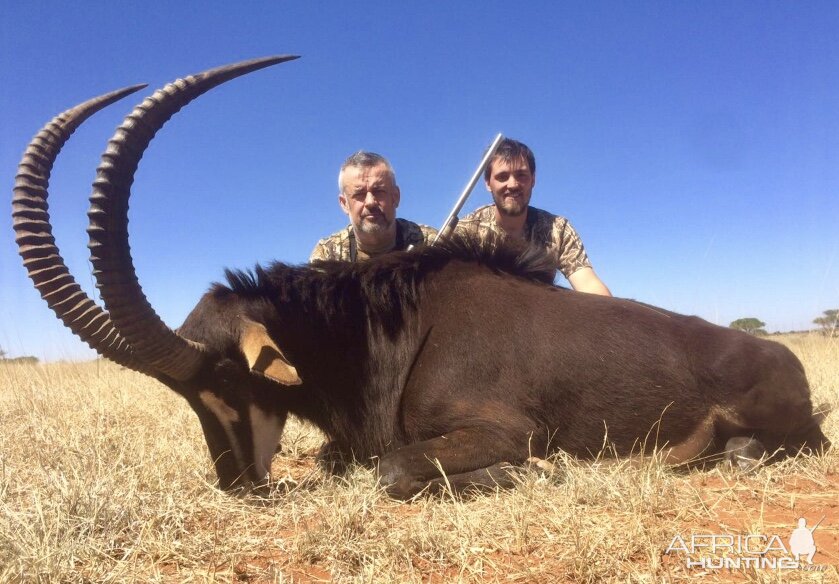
column 508, row 151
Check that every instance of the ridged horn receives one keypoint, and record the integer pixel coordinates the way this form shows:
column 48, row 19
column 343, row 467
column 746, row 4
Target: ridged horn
column 36, row 244
column 155, row 343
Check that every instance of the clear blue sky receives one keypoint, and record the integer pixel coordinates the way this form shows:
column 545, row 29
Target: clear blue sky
column 694, row 145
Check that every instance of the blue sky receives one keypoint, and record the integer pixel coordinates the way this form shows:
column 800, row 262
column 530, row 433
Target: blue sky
column 695, row 146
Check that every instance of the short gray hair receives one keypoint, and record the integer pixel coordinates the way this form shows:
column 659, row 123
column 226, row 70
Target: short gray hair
column 364, row 159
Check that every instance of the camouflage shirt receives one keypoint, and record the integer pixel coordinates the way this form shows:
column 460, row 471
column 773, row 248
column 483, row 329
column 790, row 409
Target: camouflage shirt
column 550, row 231
column 339, row 246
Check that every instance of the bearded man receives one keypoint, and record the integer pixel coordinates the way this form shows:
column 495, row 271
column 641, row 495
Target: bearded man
column 369, row 195
column 510, row 177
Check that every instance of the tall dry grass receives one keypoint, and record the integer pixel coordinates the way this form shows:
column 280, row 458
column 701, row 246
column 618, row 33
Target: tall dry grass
column 104, row 477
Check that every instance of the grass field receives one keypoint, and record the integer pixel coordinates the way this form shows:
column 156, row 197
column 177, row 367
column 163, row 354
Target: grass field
column 104, row 477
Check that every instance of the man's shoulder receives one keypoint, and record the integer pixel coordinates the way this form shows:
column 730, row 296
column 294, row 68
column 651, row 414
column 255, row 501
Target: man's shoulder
column 337, row 237
column 548, row 227
column 560, row 239
column 480, row 222
column 481, row 214
column 483, row 218
column 546, row 217
column 333, row 247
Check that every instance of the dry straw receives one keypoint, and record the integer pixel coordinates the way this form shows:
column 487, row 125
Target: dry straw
column 104, row 477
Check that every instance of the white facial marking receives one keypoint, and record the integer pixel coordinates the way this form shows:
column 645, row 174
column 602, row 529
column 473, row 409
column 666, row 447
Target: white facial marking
column 227, row 416
column 216, row 405
column 266, row 429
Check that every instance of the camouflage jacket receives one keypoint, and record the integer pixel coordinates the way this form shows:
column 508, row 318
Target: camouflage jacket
column 339, row 246
column 550, row 231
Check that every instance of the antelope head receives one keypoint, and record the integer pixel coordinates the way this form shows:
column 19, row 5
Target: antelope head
column 228, row 377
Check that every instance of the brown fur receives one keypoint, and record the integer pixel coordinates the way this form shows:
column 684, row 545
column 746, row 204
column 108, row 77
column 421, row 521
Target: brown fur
column 467, row 355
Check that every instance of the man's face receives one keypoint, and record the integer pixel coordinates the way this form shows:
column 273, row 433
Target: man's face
column 511, row 184
column 370, row 198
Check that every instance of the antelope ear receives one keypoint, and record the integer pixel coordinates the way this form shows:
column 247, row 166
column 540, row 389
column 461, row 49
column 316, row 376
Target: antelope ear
column 264, row 356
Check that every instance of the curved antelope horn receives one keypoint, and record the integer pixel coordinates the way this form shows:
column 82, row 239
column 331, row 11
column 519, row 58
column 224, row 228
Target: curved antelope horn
column 155, row 343
column 36, row 244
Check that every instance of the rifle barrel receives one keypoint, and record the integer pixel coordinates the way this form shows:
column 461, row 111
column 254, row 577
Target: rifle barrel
column 812, row 529
column 451, row 220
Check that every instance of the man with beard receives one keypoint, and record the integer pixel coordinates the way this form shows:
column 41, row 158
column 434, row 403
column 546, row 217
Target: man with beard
column 369, row 195
column 510, row 177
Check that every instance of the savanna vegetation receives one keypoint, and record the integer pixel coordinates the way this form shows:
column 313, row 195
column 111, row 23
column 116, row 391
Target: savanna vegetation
column 751, row 325
column 104, row 477
column 828, row 321
column 23, row 359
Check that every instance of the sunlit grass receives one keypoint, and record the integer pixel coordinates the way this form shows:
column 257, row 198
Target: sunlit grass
column 104, row 477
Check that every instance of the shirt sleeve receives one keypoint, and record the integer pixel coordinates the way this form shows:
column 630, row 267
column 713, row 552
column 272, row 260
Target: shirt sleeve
column 568, row 249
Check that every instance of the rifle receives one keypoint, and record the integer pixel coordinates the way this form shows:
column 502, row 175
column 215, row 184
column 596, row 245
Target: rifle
column 451, row 221
column 812, row 529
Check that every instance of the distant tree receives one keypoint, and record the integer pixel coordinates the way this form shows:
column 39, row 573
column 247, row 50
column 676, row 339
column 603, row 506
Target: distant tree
column 829, row 322
column 25, row 359
column 750, row 325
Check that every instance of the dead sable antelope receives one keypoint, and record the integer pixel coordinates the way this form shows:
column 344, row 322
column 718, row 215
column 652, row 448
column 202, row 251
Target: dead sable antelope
column 462, row 357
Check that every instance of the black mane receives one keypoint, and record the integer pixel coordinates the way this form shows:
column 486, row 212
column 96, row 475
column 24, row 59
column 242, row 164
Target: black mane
column 385, row 286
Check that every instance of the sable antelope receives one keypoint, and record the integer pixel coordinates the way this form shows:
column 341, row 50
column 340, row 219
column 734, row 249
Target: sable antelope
column 461, row 357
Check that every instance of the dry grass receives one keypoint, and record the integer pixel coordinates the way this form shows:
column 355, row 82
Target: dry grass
column 104, row 477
